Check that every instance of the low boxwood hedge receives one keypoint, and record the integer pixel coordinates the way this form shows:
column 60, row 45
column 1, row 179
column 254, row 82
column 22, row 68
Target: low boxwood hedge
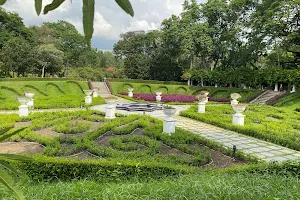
column 65, row 169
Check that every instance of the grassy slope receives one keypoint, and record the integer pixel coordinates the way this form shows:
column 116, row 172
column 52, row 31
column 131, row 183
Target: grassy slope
column 291, row 101
column 48, row 94
column 279, row 125
column 181, row 89
column 205, row 186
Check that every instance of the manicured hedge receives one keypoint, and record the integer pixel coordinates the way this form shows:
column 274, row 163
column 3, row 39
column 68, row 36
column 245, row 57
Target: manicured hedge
column 147, row 81
column 54, row 169
column 37, row 79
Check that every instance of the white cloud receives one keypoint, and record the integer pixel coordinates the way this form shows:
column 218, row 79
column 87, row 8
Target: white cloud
column 110, row 20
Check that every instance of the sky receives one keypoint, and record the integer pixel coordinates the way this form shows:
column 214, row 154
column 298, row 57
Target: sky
column 110, row 19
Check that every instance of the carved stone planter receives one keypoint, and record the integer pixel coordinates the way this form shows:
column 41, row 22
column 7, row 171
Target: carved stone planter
column 30, row 95
column 88, row 98
column 130, row 92
column 23, row 108
column 169, row 121
column 238, row 118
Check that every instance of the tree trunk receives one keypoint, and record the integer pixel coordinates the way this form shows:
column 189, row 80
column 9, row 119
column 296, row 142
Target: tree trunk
column 43, row 72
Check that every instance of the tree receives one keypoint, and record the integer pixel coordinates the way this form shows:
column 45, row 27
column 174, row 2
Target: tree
column 50, row 59
column 17, row 56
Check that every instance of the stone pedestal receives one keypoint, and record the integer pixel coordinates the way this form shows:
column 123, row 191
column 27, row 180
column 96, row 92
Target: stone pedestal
column 23, row 111
column 234, row 102
column 216, row 85
column 130, row 94
column 158, row 98
column 238, row 119
column 169, row 125
column 201, row 107
column 95, row 94
column 276, row 87
column 30, row 104
column 88, row 99
column 293, row 89
column 110, row 111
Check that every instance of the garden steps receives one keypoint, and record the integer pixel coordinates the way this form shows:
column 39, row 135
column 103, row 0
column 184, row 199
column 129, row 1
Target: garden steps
column 103, row 90
column 265, row 97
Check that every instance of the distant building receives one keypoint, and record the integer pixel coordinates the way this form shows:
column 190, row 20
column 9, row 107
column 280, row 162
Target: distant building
column 111, row 68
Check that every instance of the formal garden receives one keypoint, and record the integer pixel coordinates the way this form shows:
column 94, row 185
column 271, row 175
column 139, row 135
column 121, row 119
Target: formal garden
column 205, row 107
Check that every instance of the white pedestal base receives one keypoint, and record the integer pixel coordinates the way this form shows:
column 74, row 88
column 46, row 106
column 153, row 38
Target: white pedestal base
column 110, row 111
column 95, row 94
column 169, row 125
column 158, row 98
column 238, row 119
column 88, row 99
column 30, row 104
column 130, row 94
column 23, row 111
column 201, row 107
column 276, row 87
column 234, row 102
column 216, row 85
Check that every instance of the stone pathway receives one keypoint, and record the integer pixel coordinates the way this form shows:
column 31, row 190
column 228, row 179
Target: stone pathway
column 263, row 150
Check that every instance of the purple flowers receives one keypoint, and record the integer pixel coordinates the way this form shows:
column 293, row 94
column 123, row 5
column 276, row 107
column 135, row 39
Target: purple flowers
column 221, row 100
column 171, row 97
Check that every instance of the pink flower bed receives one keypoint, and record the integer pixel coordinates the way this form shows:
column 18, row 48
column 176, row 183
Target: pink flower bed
column 164, row 97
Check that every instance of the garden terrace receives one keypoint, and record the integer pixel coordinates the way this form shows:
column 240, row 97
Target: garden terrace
column 216, row 94
column 277, row 125
column 48, row 94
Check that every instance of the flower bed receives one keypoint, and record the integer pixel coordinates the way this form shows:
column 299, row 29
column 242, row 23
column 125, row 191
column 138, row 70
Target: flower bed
column 171, row 97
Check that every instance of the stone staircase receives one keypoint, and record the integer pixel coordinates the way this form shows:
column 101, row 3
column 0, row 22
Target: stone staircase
column 102, row 89
column 264, row 97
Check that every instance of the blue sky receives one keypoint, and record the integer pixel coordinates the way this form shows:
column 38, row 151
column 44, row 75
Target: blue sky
column 110, row 20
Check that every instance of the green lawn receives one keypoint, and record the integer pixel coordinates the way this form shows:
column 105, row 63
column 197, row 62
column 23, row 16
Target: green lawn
column 210, row 186
column 48, row 94
column 278, row 125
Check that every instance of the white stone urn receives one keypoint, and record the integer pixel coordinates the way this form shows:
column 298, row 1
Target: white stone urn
column 169, row 121
column 30, row 95
column 110, row 108
column 158, row 96
column 23, row 108
column 130, row 92
column 88, row 98
column 235, row 97
column 238, row 118
column 95, row 93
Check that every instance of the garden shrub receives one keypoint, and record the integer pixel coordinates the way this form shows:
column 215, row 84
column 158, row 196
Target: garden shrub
column 59, row 169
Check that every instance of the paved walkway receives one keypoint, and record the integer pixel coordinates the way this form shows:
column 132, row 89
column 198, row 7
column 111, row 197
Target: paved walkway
column 263, row 150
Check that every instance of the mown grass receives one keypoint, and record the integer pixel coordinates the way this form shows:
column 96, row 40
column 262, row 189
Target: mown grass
column 278, row 125
column 210, row 186
column 291, row 101
column 247, row 95
column 48, row 94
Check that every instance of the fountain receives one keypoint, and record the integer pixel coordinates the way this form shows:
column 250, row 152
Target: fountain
column 144, row 106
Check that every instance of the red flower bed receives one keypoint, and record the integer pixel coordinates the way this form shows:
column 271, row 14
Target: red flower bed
column 164, row 97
